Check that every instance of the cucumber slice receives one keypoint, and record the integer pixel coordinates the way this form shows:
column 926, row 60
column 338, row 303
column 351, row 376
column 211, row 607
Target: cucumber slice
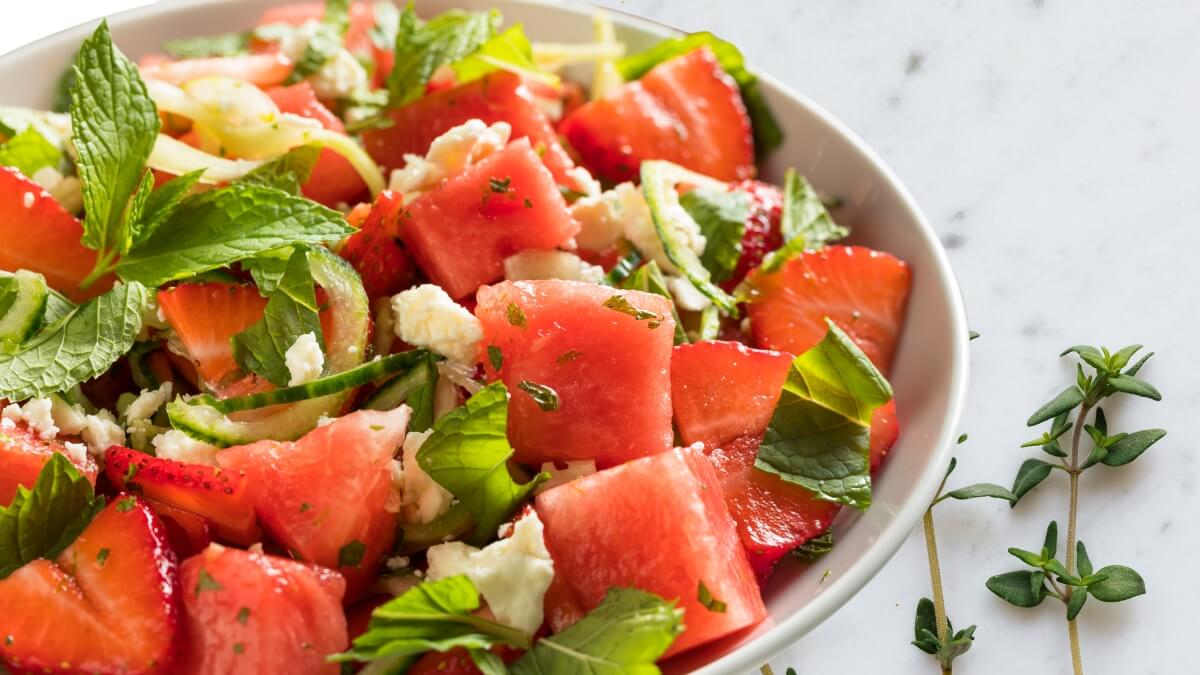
column 659, row 179
column 23, row 298
column 345, row 350
column 416, row 537
column 415, row 388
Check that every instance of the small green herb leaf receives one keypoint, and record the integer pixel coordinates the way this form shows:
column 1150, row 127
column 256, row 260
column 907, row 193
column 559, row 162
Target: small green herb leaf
column 705, row 598
column 424, row 46
column 649, row 279
column 804, row 216
column 1129, row 384
column 1070, row 398
column 291, row 312
column 1075, row 604
column 286, row 172
column 495, row 357
column 1131, row 446
column 979, row 490
column 205, row 582
column 1121, row 583
column 1017, row 588
column 545, row 397
column 516, row 316
column 815, row 548
column 224, row 44
column 1031, row 473
column 351, row 554
column 722, row 216
column 618, row 303
column 29, row 151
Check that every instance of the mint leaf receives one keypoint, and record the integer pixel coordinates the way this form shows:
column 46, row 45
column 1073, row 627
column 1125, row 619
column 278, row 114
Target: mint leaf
column 626, row 633
column 290, row 313
column 219, row 227
column 435, row 615
column 767, row 133
column 509, row 51
column 287, row 172
column 149, row 210
column 721, row 215
column 649, row 279
column 114, row 124
column 424, row 46
column 41, row 522
column 29, row 151
column 804, row 215
column 467, row 453
column 267, row 268
column 819, row 435
column 545, row 397
column 223, row 44
column 815, row 548
column 76, row 348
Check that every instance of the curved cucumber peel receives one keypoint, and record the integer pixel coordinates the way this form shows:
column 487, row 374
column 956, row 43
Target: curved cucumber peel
column 416, row 537
column 415, row 388
column 23, row 298
column 659, row 179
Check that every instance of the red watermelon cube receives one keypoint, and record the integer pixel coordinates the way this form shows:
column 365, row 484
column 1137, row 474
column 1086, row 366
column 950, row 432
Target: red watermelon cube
column 461, row 232
column 725, row 390
column 659, row 524
column 498, row 97
column 610, row 369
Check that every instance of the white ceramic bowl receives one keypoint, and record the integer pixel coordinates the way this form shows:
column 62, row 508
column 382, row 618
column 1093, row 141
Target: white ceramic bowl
column 930, row 376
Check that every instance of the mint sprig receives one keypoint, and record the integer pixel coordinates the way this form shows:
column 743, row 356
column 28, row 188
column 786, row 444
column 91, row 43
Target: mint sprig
column 721, row 215
column 42, row 521
column 29, row 151
column 291, row 312
column 424, row 46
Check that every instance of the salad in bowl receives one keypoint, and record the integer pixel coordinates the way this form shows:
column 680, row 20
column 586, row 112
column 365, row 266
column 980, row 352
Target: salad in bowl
column 368, row 340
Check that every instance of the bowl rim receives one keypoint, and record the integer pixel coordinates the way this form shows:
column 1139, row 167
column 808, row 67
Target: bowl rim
column 787, row 630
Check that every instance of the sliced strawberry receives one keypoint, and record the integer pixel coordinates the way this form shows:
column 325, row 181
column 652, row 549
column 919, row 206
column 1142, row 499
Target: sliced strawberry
column 23, row 454
column 686, row 110
column 40, row 236
column 376, row 251
column 205, row 316
column 333, row 179
column 498, row 97
column 885, row 429
column 255, row 613
column 108, row 604
column 188, row 533
column 762, row 228
column 863, row 291
column 724, row 390
column 326, row 497
column 267, row 69
column 221, row 497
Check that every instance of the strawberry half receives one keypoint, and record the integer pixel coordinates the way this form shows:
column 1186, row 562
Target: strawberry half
column 41, row 236
column 23, row 454
column 863, row 291
column 204, row 317
column 254, row 613
column 762, row 228
column 326, row 496
column 108, row 604
column 221, row 497
column 724, row 390
column 376, row 252
column 686, row 110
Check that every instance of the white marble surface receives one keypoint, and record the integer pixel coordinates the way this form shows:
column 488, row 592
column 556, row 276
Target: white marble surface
column 1052, row 144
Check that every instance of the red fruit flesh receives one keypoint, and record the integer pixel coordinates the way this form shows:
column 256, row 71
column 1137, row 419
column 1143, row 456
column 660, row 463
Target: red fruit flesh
column 204, row 317
column 686, row 110
column 762, row 228
column 333, row 179
column 40, row 236
column 221, row 497
column 108, row 604
column 23, row 454
column 254, row 613
column 659, row 524
column 188, row 533
column 863, row 291
column 376, row 252
column 268, row 69
column 328, row 491
column 724, row 390
column 357, row 38
column 609, row 369
column 461, row 232
column 498, row 97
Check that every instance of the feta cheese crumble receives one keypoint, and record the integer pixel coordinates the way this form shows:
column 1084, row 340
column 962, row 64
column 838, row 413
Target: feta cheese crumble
column 76, row 452
column 421, row 498
column 101, row 432
column 512, row 574
column 147, row 403
column 340, row 77
column 176, row 445
column 427, row 317
column 449, row 154
column 304, row 360
column 69, row 417
column 36, row 414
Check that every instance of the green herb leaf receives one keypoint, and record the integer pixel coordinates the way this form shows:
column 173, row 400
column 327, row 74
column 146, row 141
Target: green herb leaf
column 624, row 267
column 223, row 44
column 545, row 397
column 712, row 604
column 649, row 279
column 287, row 172
column 509, row 51
column 487, row 662
column 815, row 548
column 41, row 522
column 722, row 216
column 1070, row 398
column 925, row 627
column 819, row 434
column 1050, row 540
column 467, row 453
column 29, row 151
column 1122, row 583
column 77, row 347
column 626, row 633
column 516, row 316
column 618, row 303
column 434, row 615
column 979, row 490
column 223, row 226
column 115, row 124
column 1131, row 446
column 205, row 582
column 155, row 208
column 291, row 312
column 767, row 133
column 351, row 554
column 1017, row 588
column 1031, row 473
column 804, row 216
column 1075, row 604
column 424, row 46
column 1082, row 562
column 1129, row 384
column 495, row 357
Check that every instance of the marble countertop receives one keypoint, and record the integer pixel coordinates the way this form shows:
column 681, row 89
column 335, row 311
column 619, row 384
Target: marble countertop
column 1052, row 145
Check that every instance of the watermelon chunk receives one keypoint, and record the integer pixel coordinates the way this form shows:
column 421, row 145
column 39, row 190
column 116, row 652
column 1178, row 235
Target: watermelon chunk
column 659, row 524
column 609, row 369
column 498, row 97
column 375, row 251
column 23, row 454
column 725, row 390
column 461, row 232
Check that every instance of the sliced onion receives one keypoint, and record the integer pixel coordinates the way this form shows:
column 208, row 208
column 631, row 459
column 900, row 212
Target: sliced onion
column 177, row 157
